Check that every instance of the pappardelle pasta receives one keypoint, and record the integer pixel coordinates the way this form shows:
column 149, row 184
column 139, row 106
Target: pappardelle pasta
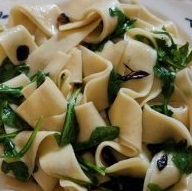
column 94, row 95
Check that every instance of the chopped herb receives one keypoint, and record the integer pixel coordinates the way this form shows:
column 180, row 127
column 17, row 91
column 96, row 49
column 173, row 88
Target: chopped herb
column 162, row 162
column 10, row 118
column 87, row 165
column 22, row 52
column 155, row 187
column 116, row 80
column 10, row 91
column 8, row 70
column 170, row 59
column 9, row 146
column 123, row 25
column 70, row 128
column 181, row 154
column 8, row 135
column 39, row 77
column 19, row 169
column 145, row 40
column 7, row 115
column 100, row 134
column 10, row 94
column 167, row 77
column 91, row 170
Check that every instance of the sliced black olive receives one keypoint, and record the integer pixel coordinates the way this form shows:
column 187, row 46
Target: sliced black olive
column 22, row 52
column 162, row 162
column 63, row 19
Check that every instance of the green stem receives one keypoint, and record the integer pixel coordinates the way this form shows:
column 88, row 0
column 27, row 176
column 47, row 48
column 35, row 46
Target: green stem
column 27, row 146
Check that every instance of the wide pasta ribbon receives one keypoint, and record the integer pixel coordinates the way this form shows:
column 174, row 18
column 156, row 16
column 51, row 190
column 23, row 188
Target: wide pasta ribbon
column 11, row 39
column 65, row 69
column 125, row 54
column 184, row 83
column 96, row 71
column 157, row 127
column 94, row 10
column 62, row 41
column 126, row 113
column 88, row 119
column 63, row 161
column 40, row 20
column 128, row 163
column 164, row 178
column 46, row 101
column 31, row 156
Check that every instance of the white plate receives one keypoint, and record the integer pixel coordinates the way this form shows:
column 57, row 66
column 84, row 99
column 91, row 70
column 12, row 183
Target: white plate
column 178, row 11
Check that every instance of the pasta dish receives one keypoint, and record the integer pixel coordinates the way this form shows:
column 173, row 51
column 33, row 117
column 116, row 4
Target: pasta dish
column 94, row 96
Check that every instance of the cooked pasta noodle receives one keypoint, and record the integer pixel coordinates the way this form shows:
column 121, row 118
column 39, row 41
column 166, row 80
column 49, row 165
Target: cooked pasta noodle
column 112, row 85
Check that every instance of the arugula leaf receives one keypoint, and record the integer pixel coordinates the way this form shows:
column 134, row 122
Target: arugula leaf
column 10, row 118
column 100, row 134
column 116, row 80
column 39, row 77
column 155, row 187
column 3, row 136
column 170, row 59
column 145, row 40
column 6, row 90
column 114, row 86
column 123, row 25
column 8, row 70
column 91, row 170
column 70, row 128
column 85, row 165
column 19, row 169
column 9, row 146
column 167, row 77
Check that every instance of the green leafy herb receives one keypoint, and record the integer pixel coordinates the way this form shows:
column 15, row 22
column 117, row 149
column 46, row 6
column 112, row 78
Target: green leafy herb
column 8, row 70
column 19, row 169
column 10, row 91
column 39, row 77
column 155, row 187
column 114, row 86
column 91, row 170
column 167, row 77
column 10, row 118
column 181, row 153
column 70, row 128
column 90, row 167
column 100, row 134
column 8, row 135
column 116, row 80
column 123, row 24
column 11, row 95
column 9, row 146
column 144, row 39
column 170, row 59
